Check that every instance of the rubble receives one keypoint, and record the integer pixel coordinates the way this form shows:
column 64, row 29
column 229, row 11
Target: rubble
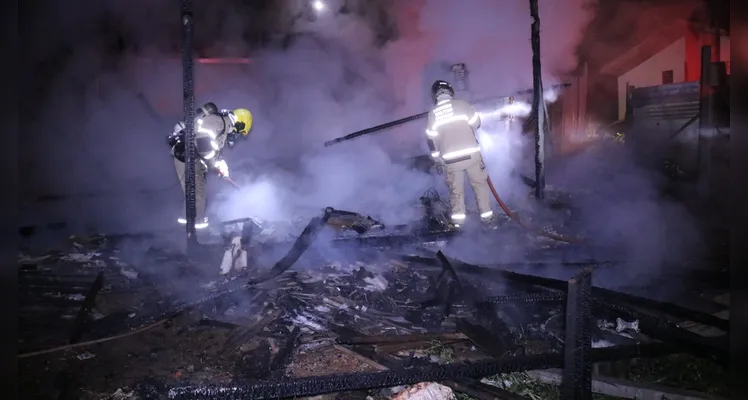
column 426, row 391
column 340, row 317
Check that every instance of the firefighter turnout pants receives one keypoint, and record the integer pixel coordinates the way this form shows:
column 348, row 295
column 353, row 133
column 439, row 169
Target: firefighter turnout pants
column 200, row 178
column 477, row 175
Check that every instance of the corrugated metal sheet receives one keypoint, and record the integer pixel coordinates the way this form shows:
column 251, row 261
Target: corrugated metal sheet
column 681, row 110
column 663, row 125
column 661, row 110
column 665, row 94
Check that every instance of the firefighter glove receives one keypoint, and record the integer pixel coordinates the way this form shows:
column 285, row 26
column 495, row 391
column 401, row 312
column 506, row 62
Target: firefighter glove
column 223, row 168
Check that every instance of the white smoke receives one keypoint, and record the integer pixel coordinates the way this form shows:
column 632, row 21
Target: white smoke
column 331, row 80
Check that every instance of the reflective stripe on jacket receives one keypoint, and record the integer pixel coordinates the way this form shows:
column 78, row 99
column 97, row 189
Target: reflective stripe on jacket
column 451, row 129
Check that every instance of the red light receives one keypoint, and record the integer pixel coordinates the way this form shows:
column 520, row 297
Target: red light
column 224, row 61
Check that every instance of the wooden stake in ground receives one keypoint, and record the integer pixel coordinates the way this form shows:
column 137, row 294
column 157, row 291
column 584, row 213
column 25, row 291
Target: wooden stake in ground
column 537, row 102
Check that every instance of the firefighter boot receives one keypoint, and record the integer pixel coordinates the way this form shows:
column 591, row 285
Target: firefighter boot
column 490, row 223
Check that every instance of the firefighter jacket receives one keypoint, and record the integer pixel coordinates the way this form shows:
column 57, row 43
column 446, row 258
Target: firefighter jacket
column 211, row 132
column 451, row 130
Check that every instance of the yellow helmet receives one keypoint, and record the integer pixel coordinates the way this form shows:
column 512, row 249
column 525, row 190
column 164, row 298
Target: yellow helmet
column 243, row 120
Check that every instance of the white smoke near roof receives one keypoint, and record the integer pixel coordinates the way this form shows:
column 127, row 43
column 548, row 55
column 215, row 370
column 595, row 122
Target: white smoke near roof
column 320, row 88
column 332, row 80
column 325, row 98
column 493, row 39
column 106, row 157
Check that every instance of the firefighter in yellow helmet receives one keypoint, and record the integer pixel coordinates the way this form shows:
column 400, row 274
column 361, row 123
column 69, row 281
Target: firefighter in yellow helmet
column 214, row 129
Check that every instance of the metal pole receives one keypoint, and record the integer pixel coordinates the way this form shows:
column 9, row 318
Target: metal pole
column 189, row 120
column 537, row 86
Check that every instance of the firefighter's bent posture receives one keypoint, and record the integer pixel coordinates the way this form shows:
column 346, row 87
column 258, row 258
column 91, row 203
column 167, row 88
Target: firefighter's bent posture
column 454, row 146
column 213, row 130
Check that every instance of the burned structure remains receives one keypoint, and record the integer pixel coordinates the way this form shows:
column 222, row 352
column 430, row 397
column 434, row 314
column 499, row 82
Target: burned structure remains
column 346, row 304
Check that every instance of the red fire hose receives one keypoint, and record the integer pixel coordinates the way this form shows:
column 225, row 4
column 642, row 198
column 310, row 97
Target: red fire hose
column 532, row 229
column 231, row 182
column 227, row 179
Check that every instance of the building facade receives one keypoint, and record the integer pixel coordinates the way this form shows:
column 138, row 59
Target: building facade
column 679, row 61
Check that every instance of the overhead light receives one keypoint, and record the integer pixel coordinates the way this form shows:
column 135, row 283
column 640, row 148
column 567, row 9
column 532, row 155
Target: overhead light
column 318, row 5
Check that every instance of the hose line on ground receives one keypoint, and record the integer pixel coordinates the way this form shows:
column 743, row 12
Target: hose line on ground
column 532, row 229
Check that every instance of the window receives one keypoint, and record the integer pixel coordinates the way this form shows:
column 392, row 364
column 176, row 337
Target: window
column 667, row 77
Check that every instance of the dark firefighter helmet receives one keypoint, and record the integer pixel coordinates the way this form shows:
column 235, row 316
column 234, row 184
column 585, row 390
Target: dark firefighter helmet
column 440, row 87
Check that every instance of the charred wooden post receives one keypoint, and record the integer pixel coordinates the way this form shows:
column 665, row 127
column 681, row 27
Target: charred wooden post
column 577, row 375
column 537, row 105
column 188, row 94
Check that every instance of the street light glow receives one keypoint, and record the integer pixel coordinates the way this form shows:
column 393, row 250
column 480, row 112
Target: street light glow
column 318, row 5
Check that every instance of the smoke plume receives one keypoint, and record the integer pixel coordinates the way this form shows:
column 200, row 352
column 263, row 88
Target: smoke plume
column 116, row 97
column 112, row 99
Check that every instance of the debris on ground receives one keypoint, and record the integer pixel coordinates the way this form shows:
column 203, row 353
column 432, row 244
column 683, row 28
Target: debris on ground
column 174, row 322
column 426, row 391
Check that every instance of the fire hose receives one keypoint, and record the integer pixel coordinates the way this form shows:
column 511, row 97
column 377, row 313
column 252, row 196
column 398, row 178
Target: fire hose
column 503, row 206
column 527, row 227
column 231, row 182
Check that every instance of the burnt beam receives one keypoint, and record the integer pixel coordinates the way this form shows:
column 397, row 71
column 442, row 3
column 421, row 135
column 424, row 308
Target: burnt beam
column 494, row 345
column 416, row 337
column 315, row 385
column 88, row 303
column 577, row 375
column 448, row 268
column 283, row 358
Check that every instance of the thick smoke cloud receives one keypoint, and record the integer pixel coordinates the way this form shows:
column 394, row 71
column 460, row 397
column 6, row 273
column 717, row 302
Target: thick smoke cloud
column 106, row 114
column 493, row 37
column 107, row 154
column 374, row 85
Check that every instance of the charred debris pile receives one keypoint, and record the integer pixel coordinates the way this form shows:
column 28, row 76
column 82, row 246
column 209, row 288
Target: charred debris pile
column 384, row 327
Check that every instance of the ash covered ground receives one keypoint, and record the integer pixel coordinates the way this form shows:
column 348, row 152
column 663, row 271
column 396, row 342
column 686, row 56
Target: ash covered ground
column 129, row 316
column 339, row 309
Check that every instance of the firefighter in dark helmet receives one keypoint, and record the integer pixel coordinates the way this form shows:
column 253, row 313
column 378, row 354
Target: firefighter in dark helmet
column 452, row 140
